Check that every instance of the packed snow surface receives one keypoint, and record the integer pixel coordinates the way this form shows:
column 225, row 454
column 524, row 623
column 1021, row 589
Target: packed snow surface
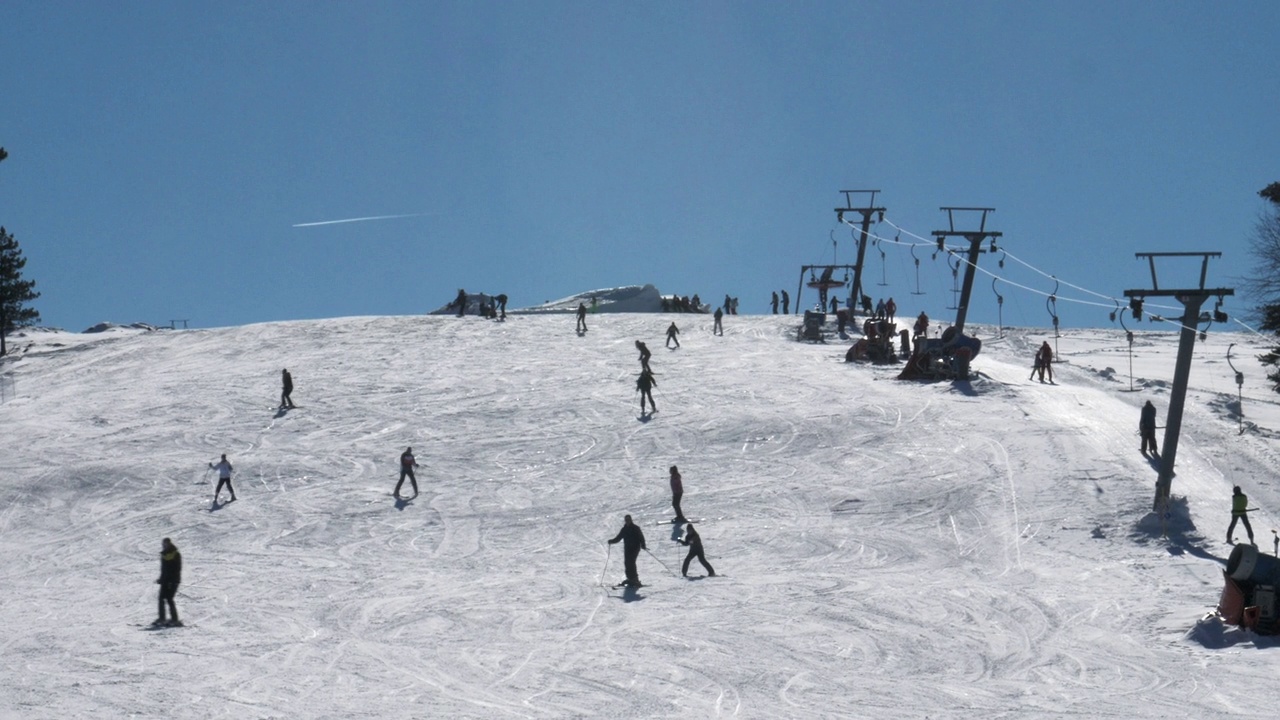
column 886, row 548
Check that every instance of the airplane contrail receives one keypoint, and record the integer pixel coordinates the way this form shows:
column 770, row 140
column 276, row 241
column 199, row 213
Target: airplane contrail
column 359, row 219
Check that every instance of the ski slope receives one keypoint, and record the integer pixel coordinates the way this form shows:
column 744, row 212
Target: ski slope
column 887, row 549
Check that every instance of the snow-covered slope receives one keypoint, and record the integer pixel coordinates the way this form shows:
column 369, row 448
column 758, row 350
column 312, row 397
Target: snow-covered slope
column 887, row 548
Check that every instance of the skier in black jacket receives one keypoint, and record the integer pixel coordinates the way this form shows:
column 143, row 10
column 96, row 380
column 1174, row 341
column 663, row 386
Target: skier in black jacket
column 632, row 538
column 287, row 390
column 694, row 542
column 170, row 576
column 645, row 384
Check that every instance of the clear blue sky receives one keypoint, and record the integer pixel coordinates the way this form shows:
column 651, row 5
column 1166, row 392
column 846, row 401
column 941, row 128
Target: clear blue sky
column 162, row 153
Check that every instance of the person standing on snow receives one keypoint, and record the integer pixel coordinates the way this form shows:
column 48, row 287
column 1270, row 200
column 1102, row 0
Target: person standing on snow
column 644, row 355
column 786, row 303
column 407, row 464
column 1044, row 361
column 1239, row 511
column 677, row 491
column 632, row 538
column 694, row 542
column 287, row 381
column 1147, row 428
column 170, row 577
column 224, row 478
column 582, row 318
column 645, row 384
column 718, row 328
column 672, row 332
column 774, row 303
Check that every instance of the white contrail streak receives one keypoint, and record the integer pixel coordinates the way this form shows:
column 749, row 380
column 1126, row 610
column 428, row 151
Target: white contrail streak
column 359, row 219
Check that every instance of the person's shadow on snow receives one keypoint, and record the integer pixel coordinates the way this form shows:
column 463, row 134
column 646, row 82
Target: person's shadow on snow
column 403, row 502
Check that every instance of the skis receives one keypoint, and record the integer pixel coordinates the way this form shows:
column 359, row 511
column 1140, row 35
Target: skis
column 680, row 521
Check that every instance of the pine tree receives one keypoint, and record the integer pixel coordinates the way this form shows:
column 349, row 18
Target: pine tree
column 1265, row 280
column 15, row 292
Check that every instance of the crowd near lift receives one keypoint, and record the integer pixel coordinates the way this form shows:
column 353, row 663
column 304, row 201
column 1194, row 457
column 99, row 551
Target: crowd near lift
column 948, row 357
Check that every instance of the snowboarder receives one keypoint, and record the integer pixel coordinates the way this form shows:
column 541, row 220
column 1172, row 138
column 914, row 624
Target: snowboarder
column 285, row 400
column 774, row 303
column 1147, row 428
column 1239, row 511
column 582, row 318
column 407, row 464
column 786, row 303
column 632, row 538
column 644, row 355
column 672, row 332
column 677, row 491
column 718, row 328
column 645, row 384
column 170, row 577
column 224, row 478
column 694, row 542
column 1044, row 361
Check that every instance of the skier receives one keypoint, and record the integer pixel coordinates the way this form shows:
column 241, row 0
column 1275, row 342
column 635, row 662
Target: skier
column 407, row 464
column 502, row 306
column 170, row 576
column 645, row 384
column 285, row 400
column 922, row 324
column 224, row 478
column 774, row 303
column 717, row 328
column 1044, row 361
column 672, row 332
column 461, row 302
column 694, row 542
column 786, row 303
column 1239, row 511
column 880, row 308
column 644, row 355
column 890, row 309
column 582, row 318
column 1147, row 428
column 677, row 491
column 632, row 538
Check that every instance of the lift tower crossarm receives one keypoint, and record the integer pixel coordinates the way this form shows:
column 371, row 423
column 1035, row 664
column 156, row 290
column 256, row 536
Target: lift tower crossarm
column 975, row 239
column 862, row 237
column 1191, row 299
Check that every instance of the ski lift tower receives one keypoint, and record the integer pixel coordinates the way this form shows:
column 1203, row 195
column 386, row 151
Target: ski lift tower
column 1191, row 300
column 866, row 213
column 975, row 238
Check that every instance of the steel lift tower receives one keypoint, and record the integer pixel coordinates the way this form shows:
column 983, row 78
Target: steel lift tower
column 1191, row 299
column 866, row 213
column 975, row 238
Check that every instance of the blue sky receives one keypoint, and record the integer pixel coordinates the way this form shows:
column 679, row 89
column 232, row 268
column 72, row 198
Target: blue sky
column 161, row 154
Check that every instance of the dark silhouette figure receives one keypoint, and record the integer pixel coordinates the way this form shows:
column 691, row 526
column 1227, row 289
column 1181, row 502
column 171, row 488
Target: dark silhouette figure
column 1147, row 428
column 502, row 306
column 718, row 328
column 461, row 302
column 890, row 309
column 694, row 542
column 407, row 464
column 582, row 318
column 632, row 538
column 835, row 305
column 170, row 577
column 672, row 332
column 287, row 381
column 1239, row 512
column 1044, row 362
column 644, row 355
column 677, row 491
column 922, row 325
column 645, row 384
column 224, row 478
column 774, row 303
column 786, row 303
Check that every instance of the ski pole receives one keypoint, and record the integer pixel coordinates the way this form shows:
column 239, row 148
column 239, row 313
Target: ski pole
column 655, row 557
column 608, row 553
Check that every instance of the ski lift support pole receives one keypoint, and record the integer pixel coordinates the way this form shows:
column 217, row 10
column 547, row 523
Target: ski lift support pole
column 975, row 238
column 1191, row 300
column 866, row 212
